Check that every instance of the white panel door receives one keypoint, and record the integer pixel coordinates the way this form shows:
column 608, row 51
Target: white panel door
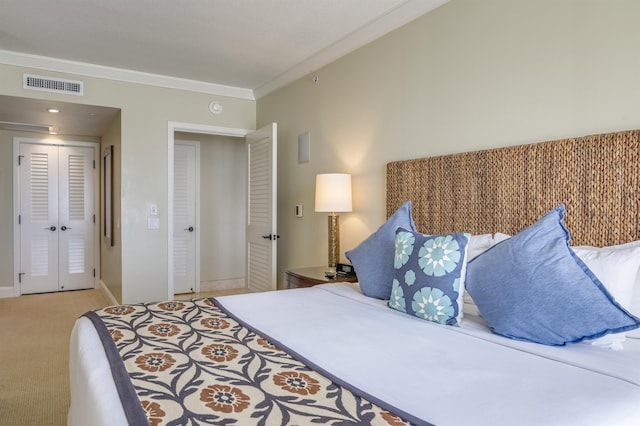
column 56, row 218
column 38, row 218
column 261, row 209
column 75, row 218
column 184, row 217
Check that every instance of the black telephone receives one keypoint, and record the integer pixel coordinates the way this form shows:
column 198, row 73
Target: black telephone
column 345, row 270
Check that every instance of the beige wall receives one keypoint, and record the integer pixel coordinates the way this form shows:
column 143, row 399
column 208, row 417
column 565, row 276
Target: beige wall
column 145, row 113
column 468, row 76
column 6, row 208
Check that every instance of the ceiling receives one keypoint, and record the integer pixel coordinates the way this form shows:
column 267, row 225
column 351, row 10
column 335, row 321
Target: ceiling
column 72, row 119
column 259, row 45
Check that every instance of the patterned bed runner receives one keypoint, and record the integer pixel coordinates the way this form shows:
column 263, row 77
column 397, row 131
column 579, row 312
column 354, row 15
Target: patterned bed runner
column 191, row 363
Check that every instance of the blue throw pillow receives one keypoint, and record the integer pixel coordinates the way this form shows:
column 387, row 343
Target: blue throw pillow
column 429, row 275
column 372, row 260
column 533, row 287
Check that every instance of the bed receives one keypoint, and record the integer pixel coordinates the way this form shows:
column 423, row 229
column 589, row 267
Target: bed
column 367, row 353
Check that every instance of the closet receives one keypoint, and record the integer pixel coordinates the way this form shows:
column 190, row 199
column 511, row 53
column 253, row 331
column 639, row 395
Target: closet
column 57, row 206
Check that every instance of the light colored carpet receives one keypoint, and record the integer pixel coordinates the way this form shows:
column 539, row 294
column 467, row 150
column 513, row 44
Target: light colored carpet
column 34, row 359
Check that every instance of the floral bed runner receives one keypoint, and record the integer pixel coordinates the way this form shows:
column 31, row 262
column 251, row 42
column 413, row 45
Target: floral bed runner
column 190, row 363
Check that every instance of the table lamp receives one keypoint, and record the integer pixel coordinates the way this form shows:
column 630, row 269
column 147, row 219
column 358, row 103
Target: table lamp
column 333, row 194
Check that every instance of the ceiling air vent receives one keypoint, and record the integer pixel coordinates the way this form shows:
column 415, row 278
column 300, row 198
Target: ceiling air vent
column 25, row 127
column 49, row 84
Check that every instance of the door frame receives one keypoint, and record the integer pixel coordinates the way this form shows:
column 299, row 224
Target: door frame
column 17, row 140
column 172, row 128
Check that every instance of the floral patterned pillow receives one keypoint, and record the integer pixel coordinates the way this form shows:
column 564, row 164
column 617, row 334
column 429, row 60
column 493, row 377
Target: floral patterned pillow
column 429, row 275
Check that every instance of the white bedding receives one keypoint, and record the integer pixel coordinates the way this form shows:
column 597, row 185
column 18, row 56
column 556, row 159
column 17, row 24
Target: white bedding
column 442, row 374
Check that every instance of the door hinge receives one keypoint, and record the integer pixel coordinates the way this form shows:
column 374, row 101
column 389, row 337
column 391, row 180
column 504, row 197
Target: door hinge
column 19, row 219
column 94, row 218
column 94, row 164
column 94, row 272
column 20, row 277
column 20, row 159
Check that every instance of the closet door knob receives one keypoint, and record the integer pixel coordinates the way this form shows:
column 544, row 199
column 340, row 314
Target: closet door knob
column 190, row 229
column 53, row 228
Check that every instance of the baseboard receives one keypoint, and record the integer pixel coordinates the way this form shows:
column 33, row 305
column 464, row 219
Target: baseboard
column 222, row 284
column 12, row 291
column 107, row 293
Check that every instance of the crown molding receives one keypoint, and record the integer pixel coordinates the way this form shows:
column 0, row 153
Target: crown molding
column 118, row 74
column 401, row 15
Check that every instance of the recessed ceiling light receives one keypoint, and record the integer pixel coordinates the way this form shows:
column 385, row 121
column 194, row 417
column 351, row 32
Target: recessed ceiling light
column 53, row 110
column 215, row 107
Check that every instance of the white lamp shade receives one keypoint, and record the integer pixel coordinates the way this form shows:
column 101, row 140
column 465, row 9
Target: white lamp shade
column 333, row 192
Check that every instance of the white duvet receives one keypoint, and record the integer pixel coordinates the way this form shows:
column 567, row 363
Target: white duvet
column 445, row 375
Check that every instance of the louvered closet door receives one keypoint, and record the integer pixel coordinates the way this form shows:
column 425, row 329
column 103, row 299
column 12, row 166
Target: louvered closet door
column 39, row 218
column 56, row 226
column 184, row 217
column 75, row 218
column 261, row 211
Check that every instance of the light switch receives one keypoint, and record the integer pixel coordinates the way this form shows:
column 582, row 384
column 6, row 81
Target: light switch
column 298, row 210
column 153, row 209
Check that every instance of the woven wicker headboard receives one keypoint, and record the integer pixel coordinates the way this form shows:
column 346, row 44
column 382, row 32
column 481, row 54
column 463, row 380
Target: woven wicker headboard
column 507, row 189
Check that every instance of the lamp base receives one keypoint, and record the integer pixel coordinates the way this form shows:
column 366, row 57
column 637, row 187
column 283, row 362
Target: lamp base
column 334, row 240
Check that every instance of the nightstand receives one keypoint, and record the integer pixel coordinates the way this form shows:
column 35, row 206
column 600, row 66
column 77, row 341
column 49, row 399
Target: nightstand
column 308, row 277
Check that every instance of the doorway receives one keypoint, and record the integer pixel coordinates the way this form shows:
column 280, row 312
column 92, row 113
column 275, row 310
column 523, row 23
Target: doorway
column 209, row 210
column 262, row 241
column 55, row 186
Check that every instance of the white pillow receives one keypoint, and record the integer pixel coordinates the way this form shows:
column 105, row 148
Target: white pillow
column 614, row 341
column 478, row 244
column 469, row 306
column 499, row 237
column 618, row 268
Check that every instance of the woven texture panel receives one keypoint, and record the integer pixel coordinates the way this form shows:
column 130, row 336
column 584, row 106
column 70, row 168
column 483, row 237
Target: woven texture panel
column 507, row 189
